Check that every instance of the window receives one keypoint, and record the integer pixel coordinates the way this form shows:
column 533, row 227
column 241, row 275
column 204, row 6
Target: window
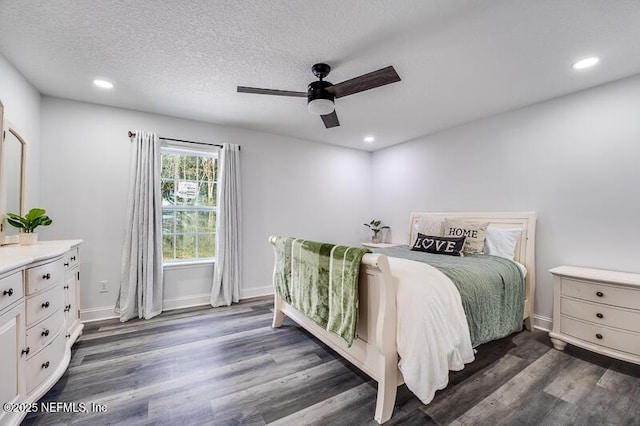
column 188, row 183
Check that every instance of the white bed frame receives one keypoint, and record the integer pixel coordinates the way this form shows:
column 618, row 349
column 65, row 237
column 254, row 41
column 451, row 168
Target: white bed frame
column 374, row 351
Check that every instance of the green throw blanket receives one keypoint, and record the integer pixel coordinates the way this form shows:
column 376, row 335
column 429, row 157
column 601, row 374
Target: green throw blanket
column 321, row 281
column 491, row 289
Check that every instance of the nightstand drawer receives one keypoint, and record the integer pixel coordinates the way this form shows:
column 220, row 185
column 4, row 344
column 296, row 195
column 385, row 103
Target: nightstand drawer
column 601, row 314
column 600, row 335
column 600, row 293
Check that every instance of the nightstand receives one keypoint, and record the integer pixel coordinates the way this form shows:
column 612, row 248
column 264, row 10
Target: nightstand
column 379, row 245
column 597, row 310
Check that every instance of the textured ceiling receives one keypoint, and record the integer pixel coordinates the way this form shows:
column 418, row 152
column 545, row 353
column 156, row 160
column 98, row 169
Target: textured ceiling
column 459, row 60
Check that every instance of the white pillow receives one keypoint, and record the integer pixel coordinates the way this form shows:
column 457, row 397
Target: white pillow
column 501, row 241
column 427, row 225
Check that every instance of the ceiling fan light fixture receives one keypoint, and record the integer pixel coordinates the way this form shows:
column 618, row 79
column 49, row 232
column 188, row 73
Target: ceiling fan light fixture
column 321, row 106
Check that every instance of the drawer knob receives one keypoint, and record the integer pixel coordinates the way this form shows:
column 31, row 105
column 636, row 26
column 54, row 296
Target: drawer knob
column 599, row 294
column 599, row 315
column 45, row 333
column 599, row 336
column 45, row 305
column 66, row 264
column 45, row 365
column 66, row 287
column 25, row 351
column 67, row 308
column 73, row 258
column 8, row 292
column 46, row 276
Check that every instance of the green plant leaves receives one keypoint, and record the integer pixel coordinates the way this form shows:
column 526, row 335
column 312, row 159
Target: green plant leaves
column 29, row 222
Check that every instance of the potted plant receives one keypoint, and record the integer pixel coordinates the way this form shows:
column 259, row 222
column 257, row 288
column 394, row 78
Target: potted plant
column 28, row 223
column 375, row 227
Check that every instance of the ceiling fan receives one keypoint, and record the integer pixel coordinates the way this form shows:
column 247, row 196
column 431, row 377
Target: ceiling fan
column 321, row 94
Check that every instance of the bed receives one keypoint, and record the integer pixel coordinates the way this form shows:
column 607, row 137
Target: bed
column 375, row 349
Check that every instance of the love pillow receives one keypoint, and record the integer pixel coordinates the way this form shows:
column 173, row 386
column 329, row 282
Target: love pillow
column 451, row 246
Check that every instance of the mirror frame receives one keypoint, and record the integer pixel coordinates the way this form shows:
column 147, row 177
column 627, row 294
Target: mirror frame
column 23, row 171
column 4, row 238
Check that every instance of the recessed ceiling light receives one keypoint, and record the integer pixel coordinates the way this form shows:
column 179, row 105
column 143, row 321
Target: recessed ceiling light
column 369, row 139
column 585, row 63
column 103, row 84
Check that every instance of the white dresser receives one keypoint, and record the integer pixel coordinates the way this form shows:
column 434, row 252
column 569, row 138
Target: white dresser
column 597, row 310
column 39, row 321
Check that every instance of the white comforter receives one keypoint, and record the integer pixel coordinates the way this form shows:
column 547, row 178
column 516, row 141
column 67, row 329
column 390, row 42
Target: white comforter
column 432, row 332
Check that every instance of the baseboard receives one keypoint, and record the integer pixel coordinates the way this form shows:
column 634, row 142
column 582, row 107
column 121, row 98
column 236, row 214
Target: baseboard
column 542, row 323
column 256, row 292
column 106, row 312
column 97, row 314
column 186, row 301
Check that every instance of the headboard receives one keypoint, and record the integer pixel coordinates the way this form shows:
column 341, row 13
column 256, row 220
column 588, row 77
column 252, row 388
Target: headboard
column 525, row 248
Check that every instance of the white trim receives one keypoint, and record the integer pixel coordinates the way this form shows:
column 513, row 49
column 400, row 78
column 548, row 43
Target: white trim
column 256, row 292
column 106, row 312
column 542, row 323
column 186, row 301
column 188, row 148
column 188, row 264
column 97, row 314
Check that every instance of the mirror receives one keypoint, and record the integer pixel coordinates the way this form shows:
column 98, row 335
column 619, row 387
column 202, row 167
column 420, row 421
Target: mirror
column 14, row 154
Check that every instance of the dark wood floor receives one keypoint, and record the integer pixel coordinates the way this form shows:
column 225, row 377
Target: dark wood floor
column 227, row 366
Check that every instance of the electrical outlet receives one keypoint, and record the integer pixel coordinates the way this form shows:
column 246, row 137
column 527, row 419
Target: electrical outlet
column 103, row 286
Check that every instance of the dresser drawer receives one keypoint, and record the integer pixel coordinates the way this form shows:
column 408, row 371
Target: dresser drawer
column 41, row 334
column 71, row 258
column 601, row 293
column 602, row 314
column 44, row 304
column 44, row 363
column 43, row 276
column 10, row 289
column 600, row 335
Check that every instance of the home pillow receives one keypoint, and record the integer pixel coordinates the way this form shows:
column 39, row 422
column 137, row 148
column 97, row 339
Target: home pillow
column 501, row 241
column 427, row 225
column 474, row 232
column 439, row 245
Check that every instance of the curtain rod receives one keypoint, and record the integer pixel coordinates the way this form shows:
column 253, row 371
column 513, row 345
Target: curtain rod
column 131, row 134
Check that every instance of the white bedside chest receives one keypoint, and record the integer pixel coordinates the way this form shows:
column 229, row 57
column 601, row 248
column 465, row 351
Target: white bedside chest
column 597, row 310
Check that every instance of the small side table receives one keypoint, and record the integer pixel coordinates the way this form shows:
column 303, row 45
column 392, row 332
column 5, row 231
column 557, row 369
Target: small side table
column 597, row 310
column 379, row 245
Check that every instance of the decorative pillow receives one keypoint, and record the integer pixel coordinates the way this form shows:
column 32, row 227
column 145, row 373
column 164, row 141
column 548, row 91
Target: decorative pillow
column 427, row 225
column 501, row 241
column 474, row 232
column 439, row 245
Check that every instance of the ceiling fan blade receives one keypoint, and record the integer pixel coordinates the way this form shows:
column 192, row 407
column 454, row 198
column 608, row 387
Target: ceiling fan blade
column 372, row 80
column 255, row 90
column 330, row 120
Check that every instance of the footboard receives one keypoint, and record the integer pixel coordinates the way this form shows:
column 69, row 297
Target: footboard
column 374, row 351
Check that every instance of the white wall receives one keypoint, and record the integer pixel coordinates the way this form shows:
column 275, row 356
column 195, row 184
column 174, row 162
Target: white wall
column 22, row 111
column 290, row 187
column 575, row 160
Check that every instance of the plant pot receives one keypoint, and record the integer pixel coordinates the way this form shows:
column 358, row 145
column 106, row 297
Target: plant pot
column 27, row 239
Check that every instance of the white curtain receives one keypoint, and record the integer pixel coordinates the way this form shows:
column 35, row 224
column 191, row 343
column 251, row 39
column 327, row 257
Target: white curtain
column 227, row 274
column 141, row 272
